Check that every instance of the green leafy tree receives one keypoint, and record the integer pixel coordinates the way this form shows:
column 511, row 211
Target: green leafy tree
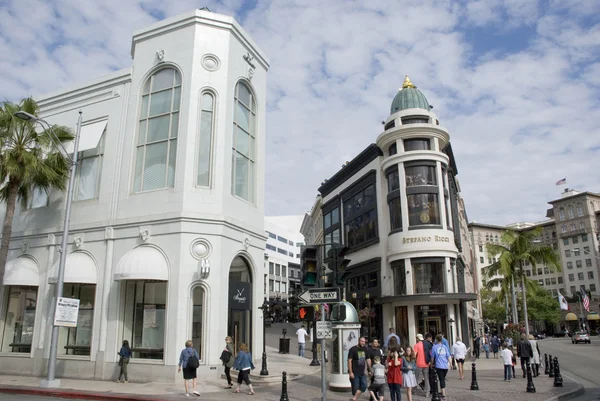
column 542, row 306
column 28, row 160
column 515, row 250
column 494, row 310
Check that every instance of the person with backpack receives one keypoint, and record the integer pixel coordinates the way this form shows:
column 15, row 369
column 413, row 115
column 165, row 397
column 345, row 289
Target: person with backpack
column 189, row 360
column 124, row 356
column 228, row 360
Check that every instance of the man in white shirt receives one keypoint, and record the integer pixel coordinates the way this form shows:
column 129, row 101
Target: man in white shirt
column 459, row 352
column 301, row 333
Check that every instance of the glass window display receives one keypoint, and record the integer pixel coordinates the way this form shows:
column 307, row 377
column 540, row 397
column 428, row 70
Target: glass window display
column 19, row 319
column 77, row 340
column 423, row 209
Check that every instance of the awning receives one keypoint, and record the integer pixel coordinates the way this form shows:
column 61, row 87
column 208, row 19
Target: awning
column 571, row 316
column 142, row 263
column 88, row 137
column 22, row 271
column 593, row 316
column 79, row 268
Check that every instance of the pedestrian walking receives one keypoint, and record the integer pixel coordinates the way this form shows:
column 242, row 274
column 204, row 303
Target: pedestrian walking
column 485, row 342
column 243, row 364
column 495, row 346
column 189, row 360
column 476, row 346
column 409, row 367
column 124, row 356
column 302, row 334
column 459, row 352
column 535, row 359
column 358, row 365
column 524, row 352
column 228, row 360
column 394, row 374
column 423, row 357
column 507, row 359
column 377, row 387
column 514, row 359
column 392, row 334
column 440, row 356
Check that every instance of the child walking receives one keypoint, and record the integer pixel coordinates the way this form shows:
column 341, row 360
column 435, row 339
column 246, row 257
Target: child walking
column 376, row 389
column 408, row 372
column 506, row 356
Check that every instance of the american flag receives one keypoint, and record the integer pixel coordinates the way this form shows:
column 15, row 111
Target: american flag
column 585, row 299
column 562, row 181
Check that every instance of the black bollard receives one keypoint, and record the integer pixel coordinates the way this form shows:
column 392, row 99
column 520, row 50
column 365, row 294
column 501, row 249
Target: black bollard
column 558, row 380
column 474, row 385
column 530, row 386
column 433, row 383
column 551, row 360
column 284, row 394
column 546, row 370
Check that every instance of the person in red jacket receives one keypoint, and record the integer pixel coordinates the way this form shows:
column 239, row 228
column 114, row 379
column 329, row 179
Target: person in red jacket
column 394, row 373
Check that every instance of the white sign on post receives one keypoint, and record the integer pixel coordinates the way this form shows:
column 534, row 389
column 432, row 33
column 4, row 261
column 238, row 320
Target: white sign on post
column 67, row 310
column 324, row 330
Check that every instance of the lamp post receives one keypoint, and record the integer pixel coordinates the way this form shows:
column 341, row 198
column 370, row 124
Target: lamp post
column 51, row 380
column 368, row 297
column 264, row 308
column 451, row 321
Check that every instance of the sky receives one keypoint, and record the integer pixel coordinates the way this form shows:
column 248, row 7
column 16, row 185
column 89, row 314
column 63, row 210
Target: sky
column 515, row 82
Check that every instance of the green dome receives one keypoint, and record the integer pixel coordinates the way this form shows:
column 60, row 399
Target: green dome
column 409, row 97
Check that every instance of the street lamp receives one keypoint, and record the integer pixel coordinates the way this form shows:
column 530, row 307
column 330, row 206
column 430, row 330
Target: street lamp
column 264, row 308
column 51, row 380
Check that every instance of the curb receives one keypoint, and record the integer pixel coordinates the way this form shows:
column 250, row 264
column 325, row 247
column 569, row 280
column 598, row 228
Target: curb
column 577, row 391
column 82, row 395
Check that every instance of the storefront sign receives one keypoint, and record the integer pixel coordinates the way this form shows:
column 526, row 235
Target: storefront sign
column 67, row 310
column 240, row 295
column 429, row 238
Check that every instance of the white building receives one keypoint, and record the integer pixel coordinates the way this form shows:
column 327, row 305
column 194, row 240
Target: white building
column 395, row 206
column 172, row 179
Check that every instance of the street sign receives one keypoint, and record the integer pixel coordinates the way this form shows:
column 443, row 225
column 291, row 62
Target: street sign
column 320, row 295
column 324, row 330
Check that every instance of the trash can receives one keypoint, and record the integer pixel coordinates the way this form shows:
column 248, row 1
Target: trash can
column 284, row 345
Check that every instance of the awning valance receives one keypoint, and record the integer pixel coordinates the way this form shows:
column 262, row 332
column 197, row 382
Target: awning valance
column 142, row 263
column 22, row 271
column 89, row 137
column 593, row 316
column 571, row 316
column 79, row 268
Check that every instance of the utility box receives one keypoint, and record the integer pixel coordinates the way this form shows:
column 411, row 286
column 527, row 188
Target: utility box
column 345, row 335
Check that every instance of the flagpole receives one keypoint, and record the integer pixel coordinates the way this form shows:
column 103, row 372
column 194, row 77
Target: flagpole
column 580, row 311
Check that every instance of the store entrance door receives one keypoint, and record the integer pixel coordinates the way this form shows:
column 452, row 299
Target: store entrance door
column 433, row 325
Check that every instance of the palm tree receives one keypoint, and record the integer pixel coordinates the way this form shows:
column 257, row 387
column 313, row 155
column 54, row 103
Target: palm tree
column 516, row 248
column 28, row 160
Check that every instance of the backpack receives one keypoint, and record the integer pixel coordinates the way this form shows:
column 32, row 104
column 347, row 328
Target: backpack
column 193, row 361
column 225, row 356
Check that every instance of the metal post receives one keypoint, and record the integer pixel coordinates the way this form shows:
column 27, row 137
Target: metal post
column 51, row 379
column 546, row 369
column 558, row 380
column 284, row 394
column 324, row 363
column 551, row 372
column 315, row 360
column 530, row 386
column 524, row 291
column 474, row 384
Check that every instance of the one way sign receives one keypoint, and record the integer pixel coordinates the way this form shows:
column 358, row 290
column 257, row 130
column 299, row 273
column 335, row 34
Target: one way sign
column 320, row 295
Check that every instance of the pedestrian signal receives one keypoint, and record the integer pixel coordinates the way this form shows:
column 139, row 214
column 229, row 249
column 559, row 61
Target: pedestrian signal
column 306, row 313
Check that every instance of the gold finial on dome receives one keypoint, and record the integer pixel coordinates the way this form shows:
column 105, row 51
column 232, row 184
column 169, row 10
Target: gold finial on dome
column 407, row 83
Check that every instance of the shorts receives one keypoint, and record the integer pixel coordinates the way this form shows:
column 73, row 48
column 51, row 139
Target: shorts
column 360, row 383
column 243, row 376
column 461, row 361
column 379, row 389
column 189, row 373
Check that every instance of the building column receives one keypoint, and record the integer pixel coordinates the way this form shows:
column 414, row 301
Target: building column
column 107, row 284
column 412, row 327
column 409, row 277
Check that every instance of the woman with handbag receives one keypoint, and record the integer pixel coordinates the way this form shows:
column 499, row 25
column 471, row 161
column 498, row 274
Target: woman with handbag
column 228, row 360
column 124, row 355
column 189, row 360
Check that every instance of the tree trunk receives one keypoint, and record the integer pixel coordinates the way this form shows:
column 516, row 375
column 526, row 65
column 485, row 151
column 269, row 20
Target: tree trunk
column 514, row 301
column 11, row 202
column 525, row 316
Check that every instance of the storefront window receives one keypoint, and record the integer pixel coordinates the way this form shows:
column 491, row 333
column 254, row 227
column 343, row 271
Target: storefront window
column 428, row 277
column 420, row 175
column 360, row 217
column 144, row 320
column 423, row 209
column 197, row 319
column 398, row 267
column 417, row 144
column 77, row 340
column 393, row 199
column 431, row 319
column 19, row 319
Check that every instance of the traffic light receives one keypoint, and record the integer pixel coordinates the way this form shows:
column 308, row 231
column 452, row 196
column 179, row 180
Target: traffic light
column 308, row 264
column 338, row 263
column 338, row 312
column 306, row 313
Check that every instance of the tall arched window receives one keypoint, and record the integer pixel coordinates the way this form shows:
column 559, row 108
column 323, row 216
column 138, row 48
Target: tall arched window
column 244, row 133
column 207, row 122
column 158, row 128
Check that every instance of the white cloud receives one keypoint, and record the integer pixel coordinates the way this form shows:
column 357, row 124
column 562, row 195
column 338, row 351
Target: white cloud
column 519, row 120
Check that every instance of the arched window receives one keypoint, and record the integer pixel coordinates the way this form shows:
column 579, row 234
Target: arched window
column 158, row 128
column 244, row 134
column 207, row 123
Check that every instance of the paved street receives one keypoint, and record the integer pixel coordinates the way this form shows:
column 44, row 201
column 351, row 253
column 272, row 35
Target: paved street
column 578, row 362
column 27, row 397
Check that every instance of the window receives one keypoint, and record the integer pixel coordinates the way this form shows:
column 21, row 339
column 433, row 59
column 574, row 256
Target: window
column 565, row 241
column 271, row 235
column 563, row 228
column 578, row 263
column 571, row 214
column 416, row 144
column 580, row 276
column 560, row 280
column 360, row 217
column 532, row 272
column 569, row 265
column 37, row 198
column 481, row 259
column 553, row 280
column 282, row 251
column 590, row 275
column 480, row 248
column 278, row 270
column 568, row 253
column 588, row 263
column 20, row 318
column 573, row 290
column 490, row 261
column 575, row 239
column 399, row 269
column 299, row 244
column 281, row 239
column 571, row 277
column 422, row 193
column 271, row 247
column 592, row 287
column 291, row 254
column 546, row 270
column 428, row 277
column 579, row 210
column 283, row 287
column 586, row 250
column 158, row 129
column 584, row 238
column 582, row 225
column 283, row 271
column 415, row 120
column 539, row 271
column 291, row 273
column 77, row 340
column 243, row 143
column 271, row 268
column 393, row 149
column 420, row 175
column 576, row 252
column 278, row 286
column 207, row 128
column 393, row 199
column 561, row 214
column 297, row 255
column 547, row 281
column 390, row 125
column 573, row 227
column 87, row 174
column 528, row 273
column 271, row 285
column 144, row 317
column 331, row 226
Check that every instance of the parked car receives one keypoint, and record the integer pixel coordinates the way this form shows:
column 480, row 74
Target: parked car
column 562, row 333
column 581, row 337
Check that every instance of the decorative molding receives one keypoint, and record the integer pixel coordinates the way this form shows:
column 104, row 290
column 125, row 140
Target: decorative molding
column 248, row 57
column 160, row 55
column 51, row 240
column 78, row 240
column 145, row 233
column 200, row 248
column 246, row 242
column 109, row 233
column 250, row 73
column 24, row 246
column 210, row 62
